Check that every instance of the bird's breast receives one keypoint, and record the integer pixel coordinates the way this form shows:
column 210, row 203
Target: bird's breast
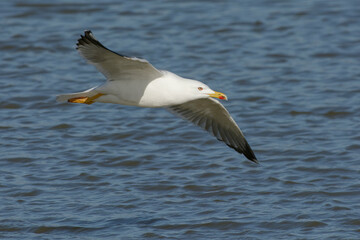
column 163, row 92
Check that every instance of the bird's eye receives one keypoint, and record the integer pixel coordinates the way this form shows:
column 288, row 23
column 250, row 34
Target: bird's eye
column 200, row 88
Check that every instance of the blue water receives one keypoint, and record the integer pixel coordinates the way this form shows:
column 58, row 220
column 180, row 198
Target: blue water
column 104, row 171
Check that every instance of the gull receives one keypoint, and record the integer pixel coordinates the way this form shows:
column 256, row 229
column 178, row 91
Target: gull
column 135, row 82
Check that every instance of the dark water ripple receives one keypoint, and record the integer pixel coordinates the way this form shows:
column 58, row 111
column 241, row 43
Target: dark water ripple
column 290, row 69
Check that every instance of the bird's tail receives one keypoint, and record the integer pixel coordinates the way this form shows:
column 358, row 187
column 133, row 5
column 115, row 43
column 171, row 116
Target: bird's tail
column 72, row 97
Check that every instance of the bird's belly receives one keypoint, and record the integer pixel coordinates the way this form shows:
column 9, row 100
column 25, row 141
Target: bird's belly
column 122, row 92
column 109, row 98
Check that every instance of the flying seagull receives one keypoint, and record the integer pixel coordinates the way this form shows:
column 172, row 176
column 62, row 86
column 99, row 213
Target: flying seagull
column 134, row 81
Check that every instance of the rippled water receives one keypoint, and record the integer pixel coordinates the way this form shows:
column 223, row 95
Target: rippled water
column 103, row 171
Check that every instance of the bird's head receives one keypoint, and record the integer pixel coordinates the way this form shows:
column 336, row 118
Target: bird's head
column 202, row 90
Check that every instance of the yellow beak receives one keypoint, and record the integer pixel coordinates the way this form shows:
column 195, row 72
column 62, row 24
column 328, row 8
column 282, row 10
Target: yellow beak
column 219, row 95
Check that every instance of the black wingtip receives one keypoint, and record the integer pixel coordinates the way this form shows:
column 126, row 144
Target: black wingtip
column 249, row 154
column 251, row 157
column 88, row 38
column 254, row 160
column 88, row 35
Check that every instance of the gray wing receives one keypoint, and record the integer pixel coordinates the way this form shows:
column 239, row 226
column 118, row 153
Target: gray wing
column 212, row 116
column 113, row 65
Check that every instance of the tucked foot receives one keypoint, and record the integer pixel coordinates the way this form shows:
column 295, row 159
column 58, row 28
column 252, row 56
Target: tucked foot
column 80, row 100
column 85, row 100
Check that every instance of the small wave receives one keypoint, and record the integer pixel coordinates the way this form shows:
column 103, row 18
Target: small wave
column 61, row 126
column 286, row 224
column 9, row 229
column 325, row 55
column 73, row 229
column 31, row 193
column 220, row 225
column 294, row 113
column 332, row 114
column 5, row 105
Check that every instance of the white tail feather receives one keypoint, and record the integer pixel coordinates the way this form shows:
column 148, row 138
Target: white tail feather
column 66, row 97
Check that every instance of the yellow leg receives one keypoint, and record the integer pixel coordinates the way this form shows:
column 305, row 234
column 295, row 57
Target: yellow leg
column 86, row 100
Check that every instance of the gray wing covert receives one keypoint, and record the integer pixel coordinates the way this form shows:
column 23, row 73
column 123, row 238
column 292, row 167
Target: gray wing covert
column 113, row 65
column 213, row 117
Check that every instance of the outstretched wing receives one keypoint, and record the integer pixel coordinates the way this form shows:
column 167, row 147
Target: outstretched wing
column 113, row 65
column 212, row 116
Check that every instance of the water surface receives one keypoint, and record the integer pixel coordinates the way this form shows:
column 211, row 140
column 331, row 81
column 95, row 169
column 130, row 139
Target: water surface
column 103, row 171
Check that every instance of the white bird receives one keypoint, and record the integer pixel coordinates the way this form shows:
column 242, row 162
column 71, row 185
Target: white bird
column 134, row 81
